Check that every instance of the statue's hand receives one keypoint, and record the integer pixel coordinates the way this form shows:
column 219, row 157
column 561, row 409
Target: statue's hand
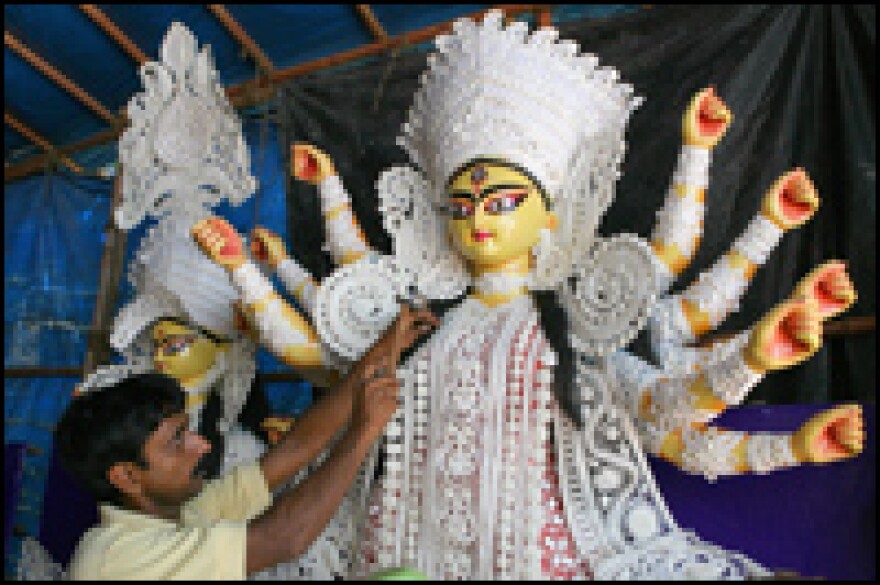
column 706, row 119
column 220, row 242
column 267, row 247
column 830, row 286
column 791, row 200
column 309, row 164
column 831, row 435
column 787, row 335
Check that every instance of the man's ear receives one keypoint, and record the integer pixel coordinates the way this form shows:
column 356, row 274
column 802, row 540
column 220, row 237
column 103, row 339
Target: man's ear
column 126, row 478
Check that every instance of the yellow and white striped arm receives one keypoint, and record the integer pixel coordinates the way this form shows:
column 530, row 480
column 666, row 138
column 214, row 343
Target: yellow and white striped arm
column 679, row 225
column 279, row 327
column 298, row 282
column 345, row 239
column 681, row 399
column 715, row 452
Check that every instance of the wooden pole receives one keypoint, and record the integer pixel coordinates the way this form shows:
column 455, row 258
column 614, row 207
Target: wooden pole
column 57, row 77
column 98, row 350
column 261, row 89
column 25, row 131
column 242, row 38
column 115, row 33
column 371, row 22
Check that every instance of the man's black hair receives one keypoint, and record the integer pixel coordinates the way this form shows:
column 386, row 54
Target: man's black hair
column 109, row 426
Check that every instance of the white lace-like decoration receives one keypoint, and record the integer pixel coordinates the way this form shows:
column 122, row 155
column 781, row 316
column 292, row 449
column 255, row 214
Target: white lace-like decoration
column 767, row 452
column 617, row 514
column 611, row 297
column 296, row 278
column 732, row 379
column 693, row 167
column 357, row 303
column 709, row 451
column 36, row 564
column 758, row 240
column 499, row 283
column 110, row 375
column 421, row 248
column 184, row 148
column 717, row 291
column 240, row 446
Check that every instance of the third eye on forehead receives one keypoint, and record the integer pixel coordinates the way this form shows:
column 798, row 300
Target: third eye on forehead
column 488, row 191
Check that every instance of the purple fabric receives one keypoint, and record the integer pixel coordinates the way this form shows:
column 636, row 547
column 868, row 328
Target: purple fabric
column 816, row 520
column 68, row 511
column 13, row 466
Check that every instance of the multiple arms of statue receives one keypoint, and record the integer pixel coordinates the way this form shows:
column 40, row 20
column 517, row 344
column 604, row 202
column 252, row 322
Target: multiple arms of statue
column 674, row 405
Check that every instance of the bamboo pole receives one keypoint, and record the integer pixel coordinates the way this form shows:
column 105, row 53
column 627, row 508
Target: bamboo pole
column 242, row 38
column 98, row 350
column 28, row 133
column 261, row 89
column 372, row 23
column 57, row 77
column 115, row 33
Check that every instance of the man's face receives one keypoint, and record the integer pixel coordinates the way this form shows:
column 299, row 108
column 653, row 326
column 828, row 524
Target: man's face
column 172, row 453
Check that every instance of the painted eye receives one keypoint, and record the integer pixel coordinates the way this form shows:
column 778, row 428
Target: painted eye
column 461, row 209
column 505, row 203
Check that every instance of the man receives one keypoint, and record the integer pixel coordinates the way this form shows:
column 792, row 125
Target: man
column 130, row 444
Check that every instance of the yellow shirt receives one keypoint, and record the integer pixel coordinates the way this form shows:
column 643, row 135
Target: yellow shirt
column 209, row 541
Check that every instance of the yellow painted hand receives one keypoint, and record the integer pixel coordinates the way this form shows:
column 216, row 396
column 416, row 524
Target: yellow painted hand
column 706, row 119
column 220, row 242
column 787, row 335
column 830, row 286
column 309, row 164
column 267, row 247
column 831, row 435
column 791, row 200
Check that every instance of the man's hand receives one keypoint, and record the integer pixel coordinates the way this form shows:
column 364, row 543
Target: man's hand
column 831, row 435
column 220, row 242
column 267, row 247
column 409, row 326
column 374, row 401
column 791, row 200
column 307, row 163
column 706, row 119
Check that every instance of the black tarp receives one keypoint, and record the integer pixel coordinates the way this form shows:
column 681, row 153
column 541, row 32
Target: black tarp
column 800, row 82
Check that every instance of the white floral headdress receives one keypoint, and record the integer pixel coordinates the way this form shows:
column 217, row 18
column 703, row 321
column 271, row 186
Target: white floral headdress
column 183, row 154
column 501, row 93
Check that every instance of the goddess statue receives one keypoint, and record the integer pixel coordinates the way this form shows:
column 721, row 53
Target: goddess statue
column 518, row 450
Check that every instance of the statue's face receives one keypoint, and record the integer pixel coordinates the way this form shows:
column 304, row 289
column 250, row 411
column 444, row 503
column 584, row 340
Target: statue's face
column 497, row 214
column 182, row 353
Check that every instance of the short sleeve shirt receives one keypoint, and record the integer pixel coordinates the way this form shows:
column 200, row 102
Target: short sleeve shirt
column 209, row 541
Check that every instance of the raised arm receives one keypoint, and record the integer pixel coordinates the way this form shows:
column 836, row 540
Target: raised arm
column 679, row 224
column 672, row 411
column 278, row 326
column 681, row 318
column 345, row 238
column 267, row 247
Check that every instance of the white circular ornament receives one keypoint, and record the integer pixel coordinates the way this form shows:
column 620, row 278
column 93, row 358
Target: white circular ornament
column 608, row 301
column 355, row 304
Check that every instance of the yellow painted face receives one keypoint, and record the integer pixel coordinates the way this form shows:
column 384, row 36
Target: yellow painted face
column 496, row 214
column 183, row 353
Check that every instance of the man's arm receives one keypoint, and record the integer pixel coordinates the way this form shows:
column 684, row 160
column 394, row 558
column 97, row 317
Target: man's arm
column 299, row 515
column 326, row 418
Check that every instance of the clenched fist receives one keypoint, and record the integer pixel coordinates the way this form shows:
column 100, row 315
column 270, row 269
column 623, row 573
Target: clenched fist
column 791, row 200
column 267, row 247
column 830, row 286
column 706, row 119
column 787, row 335
column 832, row 435
column 309, row 164
column 220, row 242
column 374, row 401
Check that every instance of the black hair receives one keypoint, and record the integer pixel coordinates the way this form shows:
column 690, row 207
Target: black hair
column 104, row 427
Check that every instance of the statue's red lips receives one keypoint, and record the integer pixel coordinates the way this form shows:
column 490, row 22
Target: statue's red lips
column 482, row 236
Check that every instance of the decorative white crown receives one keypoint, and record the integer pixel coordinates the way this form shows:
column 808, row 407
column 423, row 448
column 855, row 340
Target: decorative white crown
column 183, row 150
column 499, row 92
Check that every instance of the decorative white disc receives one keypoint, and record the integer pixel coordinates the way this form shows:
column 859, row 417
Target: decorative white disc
column 355, row 304
column 611, row 295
